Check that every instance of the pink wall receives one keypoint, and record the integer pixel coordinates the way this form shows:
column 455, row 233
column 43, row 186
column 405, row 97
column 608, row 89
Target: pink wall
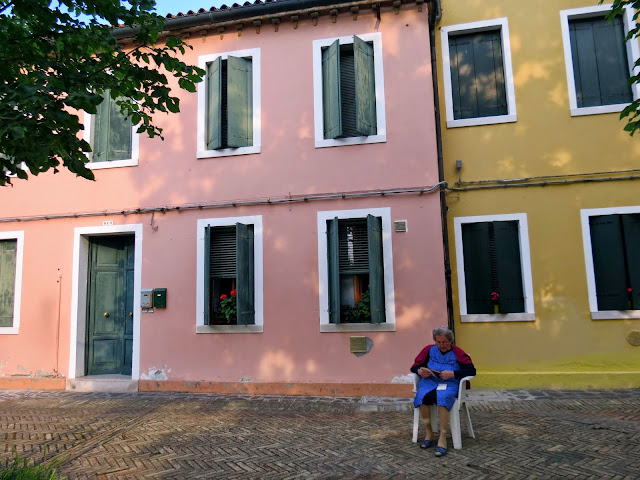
column 291, row 348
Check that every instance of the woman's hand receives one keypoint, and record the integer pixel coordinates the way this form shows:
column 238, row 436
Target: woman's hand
column 446, row 375
column 424, row 373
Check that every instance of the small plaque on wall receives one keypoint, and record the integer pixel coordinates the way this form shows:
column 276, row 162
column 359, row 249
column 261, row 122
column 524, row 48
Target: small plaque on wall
column 358, row 344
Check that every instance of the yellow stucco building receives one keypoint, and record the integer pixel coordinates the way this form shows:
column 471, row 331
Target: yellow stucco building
column 543, row 196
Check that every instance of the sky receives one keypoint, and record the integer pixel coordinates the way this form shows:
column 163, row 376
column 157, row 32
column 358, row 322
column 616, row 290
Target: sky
column 163, row 7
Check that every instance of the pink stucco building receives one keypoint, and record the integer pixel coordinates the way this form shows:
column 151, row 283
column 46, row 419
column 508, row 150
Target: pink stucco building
column 300, row 181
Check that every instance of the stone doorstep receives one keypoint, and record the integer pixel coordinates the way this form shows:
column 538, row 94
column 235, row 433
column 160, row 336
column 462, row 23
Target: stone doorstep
column 102, row 383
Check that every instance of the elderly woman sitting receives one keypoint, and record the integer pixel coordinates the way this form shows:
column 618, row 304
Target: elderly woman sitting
column 441, row 367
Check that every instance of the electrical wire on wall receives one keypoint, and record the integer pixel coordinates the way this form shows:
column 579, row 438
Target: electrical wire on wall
column 288, row 199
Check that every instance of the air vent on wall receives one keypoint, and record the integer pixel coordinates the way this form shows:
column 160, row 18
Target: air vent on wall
column 400, row 226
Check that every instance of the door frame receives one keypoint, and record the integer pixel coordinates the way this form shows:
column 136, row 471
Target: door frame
column 80, row 269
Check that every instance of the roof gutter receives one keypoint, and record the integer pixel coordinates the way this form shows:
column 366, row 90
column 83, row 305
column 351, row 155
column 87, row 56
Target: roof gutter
column 265, row 11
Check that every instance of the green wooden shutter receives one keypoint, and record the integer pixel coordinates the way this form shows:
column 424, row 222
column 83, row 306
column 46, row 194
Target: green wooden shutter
column 365, row 87
column 477, row 267
column 608, row 262
column 477, row 75
column 245, row 274
column 599, row 60
column 333, row 268
column 631, row 229
column 119, row 134
column 331, row 91
column 376, row 269
column 207, row 275
column 239, row 102
column 509, row 267
column 101, row 130
column 214, row 104
column 8, row 250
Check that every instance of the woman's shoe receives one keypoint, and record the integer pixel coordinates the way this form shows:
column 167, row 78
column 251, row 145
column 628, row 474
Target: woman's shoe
column 441, row 451
column 427, row 444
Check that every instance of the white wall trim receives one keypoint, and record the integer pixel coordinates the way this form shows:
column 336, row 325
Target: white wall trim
column 633, row 53
column 501, row 24
column 202, row 151
column 525, row 260
column 258, row 260
column 87, row 136
column 79, row 294
column 381, row 135
column 323, row 269
column 585, row 214
column 14, row 329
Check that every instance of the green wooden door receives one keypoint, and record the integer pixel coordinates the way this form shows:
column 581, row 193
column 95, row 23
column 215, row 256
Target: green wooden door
column 110, row 306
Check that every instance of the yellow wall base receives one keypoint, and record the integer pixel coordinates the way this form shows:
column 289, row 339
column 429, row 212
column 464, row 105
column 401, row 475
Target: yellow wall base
column 556, row 380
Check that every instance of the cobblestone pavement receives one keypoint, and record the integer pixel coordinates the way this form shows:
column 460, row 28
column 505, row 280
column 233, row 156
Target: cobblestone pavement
column 532, row 434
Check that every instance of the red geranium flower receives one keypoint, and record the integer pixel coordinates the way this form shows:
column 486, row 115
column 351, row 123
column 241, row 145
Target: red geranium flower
column 223, row 296
column 495, row 296
column 233, row 292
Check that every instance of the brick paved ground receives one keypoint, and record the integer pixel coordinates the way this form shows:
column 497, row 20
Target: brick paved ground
column 519, row 434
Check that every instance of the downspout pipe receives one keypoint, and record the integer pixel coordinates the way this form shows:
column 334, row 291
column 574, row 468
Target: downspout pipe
column 435, row 14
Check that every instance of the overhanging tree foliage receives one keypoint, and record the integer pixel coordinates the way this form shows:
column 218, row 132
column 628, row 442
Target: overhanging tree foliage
column 58, row 57
column 632, row 111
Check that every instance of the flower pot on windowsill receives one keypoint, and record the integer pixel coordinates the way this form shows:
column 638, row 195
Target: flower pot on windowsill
column 496, row 308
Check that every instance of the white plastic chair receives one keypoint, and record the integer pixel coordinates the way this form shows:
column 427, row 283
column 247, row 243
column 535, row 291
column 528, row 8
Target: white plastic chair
column 454, row 414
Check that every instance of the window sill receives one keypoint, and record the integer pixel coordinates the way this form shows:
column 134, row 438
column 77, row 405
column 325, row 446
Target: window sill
column 357, row 327
column 489, row 318
column 9, row 331
column 616, row 108
column 131, row 162
column 339, row 142
column 228, row 152
column 229, row 329
column 472, row 122
column 615, row 314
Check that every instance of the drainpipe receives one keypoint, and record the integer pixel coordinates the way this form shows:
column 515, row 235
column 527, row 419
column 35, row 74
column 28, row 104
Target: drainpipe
column 435, row 14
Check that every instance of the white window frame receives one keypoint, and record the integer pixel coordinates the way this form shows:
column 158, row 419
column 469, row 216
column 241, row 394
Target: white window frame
column 585, row 214
column 318, row 113
column 501, row 24
column 89, row 125
column 525, row 265
column 257, row 327
column 323, row 271
column 17, row 289
column 202, row 151
column 633, row 53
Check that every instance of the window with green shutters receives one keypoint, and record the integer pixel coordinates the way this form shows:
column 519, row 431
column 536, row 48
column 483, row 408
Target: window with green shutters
column 599, row 57
column 349, row 90
column 229, row 104
column 478, row 76
column 229, row 274
column 356, row 271
column 8, row 251
column 615, row 249
column 111, row 133
column 11, row 255
column 598, row 60
column 494, row 268
column 355, row 268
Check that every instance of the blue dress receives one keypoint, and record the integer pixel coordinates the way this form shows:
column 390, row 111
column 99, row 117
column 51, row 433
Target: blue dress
column 441, row 362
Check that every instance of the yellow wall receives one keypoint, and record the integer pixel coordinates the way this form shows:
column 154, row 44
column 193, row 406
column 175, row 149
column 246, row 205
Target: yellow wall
column 563, row 347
